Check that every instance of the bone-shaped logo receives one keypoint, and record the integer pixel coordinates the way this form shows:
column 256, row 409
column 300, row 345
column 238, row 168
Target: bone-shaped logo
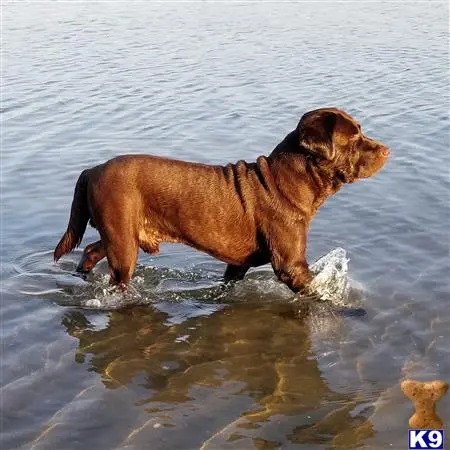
column 424, row 395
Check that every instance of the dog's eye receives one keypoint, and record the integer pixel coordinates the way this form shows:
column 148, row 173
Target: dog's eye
column 356, row 143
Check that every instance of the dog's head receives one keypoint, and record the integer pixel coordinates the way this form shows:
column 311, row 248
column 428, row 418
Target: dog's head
column 335, row 139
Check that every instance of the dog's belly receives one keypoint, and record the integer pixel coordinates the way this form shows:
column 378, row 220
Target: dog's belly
column 150, row 238
column 231, row 251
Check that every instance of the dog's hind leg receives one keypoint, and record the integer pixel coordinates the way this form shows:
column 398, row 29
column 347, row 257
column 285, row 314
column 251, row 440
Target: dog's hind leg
column 122, row 254
column 93, row 253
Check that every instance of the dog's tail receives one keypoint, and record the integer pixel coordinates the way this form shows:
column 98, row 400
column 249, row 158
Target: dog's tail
column 79, row 217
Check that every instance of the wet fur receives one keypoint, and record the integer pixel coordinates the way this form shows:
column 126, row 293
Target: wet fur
column 245, row 214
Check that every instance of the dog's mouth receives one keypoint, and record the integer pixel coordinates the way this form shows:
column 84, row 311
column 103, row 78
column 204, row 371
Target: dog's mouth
column 376, row 162
column 383, row 155
column 384, row 152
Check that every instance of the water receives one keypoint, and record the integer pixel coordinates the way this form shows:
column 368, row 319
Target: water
column 197, row 366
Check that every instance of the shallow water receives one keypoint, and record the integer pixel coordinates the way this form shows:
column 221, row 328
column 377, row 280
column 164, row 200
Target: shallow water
column 197, row 366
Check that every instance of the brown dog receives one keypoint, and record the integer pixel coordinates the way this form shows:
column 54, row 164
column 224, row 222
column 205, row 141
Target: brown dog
column 245, row 214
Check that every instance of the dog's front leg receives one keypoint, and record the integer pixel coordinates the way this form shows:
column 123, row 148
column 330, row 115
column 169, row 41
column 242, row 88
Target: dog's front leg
column 295, row 275
column 289, row 260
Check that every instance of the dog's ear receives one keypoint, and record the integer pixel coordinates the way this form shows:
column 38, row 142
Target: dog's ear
column 315, row 132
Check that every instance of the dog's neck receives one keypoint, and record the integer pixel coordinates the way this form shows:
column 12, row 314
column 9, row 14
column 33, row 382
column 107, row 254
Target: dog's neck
column 288, row 163
column 287, row 145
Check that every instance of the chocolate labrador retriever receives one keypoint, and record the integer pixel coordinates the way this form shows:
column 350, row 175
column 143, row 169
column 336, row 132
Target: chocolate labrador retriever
column 245, row 214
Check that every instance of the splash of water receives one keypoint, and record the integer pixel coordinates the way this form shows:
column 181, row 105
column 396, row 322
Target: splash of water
column 156, row 284
column 330, row 276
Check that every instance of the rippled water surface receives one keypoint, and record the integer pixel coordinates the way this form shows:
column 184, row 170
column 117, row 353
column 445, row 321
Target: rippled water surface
column 189, row 365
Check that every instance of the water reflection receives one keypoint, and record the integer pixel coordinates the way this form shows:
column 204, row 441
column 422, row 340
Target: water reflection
column 257, row 370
